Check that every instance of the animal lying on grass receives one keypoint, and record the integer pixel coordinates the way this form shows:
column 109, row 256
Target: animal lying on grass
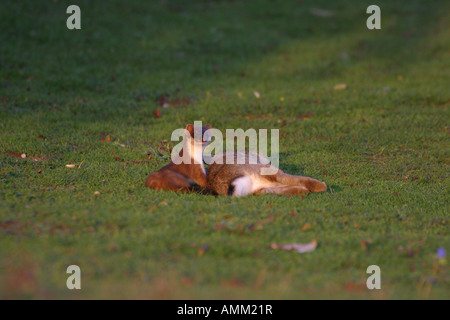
column 184, row 177
column 225, row 178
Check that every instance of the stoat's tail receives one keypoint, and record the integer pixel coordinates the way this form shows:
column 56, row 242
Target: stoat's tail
column 311, row 184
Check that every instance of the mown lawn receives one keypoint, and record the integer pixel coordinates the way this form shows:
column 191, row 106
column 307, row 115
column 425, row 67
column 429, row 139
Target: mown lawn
column 88, row 98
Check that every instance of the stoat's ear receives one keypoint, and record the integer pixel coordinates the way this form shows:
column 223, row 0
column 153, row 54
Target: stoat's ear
column 190, row 128
column 207, row 126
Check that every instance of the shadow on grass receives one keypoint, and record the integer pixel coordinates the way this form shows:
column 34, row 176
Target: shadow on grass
column 138, row 52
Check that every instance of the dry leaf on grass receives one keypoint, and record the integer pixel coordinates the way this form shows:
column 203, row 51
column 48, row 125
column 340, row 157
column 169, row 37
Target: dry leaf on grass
column 300, row 248
column 340, row 86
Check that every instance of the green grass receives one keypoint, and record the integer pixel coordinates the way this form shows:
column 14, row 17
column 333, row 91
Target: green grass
column 382, row 145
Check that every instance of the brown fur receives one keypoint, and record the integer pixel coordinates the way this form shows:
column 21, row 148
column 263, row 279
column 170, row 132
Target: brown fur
column 179, row 177
column 221, row 176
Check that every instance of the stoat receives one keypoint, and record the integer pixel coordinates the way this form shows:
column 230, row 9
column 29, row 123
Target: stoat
column 245, row 179
column 184, row 177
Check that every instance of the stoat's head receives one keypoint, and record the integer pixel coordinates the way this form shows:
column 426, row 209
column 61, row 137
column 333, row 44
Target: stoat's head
column 199, row 136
